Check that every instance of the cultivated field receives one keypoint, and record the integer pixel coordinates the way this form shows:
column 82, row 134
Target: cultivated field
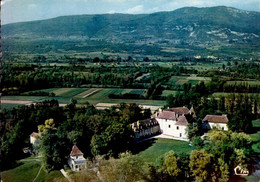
column 193, row 79
column 223, row 94
column 84, row 95
column 250, row 83
column 169, row 92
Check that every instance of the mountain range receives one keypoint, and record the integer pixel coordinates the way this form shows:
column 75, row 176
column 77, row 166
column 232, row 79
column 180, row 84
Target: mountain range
column 220, row 31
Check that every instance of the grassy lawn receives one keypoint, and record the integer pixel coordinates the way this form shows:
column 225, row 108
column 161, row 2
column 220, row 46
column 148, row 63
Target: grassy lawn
column 24, row 172
column 9, row 106
column 256, row 123
column 27, row 171
column 151, row 150
column 45, row 176
column 256, row 136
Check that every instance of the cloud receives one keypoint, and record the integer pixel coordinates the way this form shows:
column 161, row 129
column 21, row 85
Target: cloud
column 135, row 10
column 32, row 5
column 111, row 12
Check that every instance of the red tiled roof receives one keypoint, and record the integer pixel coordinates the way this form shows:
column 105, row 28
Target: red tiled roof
column 182, row 121
column 75, row 151
column 216, row 119
column 179, row 110
column 34, row 134
column 167, row 115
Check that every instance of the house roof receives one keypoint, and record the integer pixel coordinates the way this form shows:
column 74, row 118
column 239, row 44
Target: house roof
column 179, row 110
column 216, row 118
column 146, row 123
column 34, row 134
column 182, row 121
column 167, row 115
column 75, row 151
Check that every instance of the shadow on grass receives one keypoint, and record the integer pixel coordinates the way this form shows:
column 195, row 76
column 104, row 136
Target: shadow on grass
column 139, row 147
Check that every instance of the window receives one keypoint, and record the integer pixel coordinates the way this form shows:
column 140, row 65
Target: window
column 180, row 135
column 177, row 127
column 223, row 128
column 169, row 126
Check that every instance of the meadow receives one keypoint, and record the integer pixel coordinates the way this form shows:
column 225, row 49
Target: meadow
column 151, row 150
column 28, row 170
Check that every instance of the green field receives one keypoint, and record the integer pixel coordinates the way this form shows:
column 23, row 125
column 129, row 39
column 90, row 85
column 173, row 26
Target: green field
column 9, row 106
column 169, row 92
column 65, row 92
column 151, row 150
column 256, row 123
column 27, row 171
column 24, row 98
column 64, row 95
column 102, row 96
column 224, row 94
column 192, row 79
column 251, row 83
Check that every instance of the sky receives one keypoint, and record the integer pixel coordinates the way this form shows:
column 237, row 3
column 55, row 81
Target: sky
column 28, row 10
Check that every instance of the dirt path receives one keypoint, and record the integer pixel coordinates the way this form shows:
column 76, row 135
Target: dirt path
column 91, row 93
column 38, row 173
column 16, row 102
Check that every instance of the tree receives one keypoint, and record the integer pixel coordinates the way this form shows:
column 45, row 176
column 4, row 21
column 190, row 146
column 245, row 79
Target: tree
column 198, row 143
column 170, row 163
column 193, row 131
column 200, row 165
column 128, row 168
column 48, row 127
column 55, row 151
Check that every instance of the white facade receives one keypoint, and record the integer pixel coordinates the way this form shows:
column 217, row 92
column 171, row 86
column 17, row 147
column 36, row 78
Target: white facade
column 145, row 128
column 34, row 138
column 147, row 132
column 77, row 163
column 171, row 128
column 211, row 125
column 215, row 121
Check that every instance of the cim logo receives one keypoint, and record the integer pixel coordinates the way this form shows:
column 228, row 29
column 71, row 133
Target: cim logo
column 240, row 171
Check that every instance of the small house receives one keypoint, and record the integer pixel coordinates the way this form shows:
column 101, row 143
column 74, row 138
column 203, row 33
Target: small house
column 34, row 138
column 215, row 121
column 76, row 161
